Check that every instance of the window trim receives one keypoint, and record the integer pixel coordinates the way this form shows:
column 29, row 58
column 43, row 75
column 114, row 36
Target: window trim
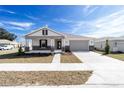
column 44, row 32
column 41, row 43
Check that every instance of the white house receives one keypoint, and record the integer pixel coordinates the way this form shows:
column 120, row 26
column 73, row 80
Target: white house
column 8, row 42
column 48, row 39
column 116, row 43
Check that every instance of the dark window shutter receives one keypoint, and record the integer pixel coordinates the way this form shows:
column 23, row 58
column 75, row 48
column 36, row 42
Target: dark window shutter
column 46, row 32
column 46, row 43
column 40, row 42
column 42, row 32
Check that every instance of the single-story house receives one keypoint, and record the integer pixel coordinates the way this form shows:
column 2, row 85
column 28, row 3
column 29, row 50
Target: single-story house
column 116, row 43
column 48, row 39
column 8, row 42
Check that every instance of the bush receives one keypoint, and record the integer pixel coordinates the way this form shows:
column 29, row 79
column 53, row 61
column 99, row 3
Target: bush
column 107, row 48
column 20, row 51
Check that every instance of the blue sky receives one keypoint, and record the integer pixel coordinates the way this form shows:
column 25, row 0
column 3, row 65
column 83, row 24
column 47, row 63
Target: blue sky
column 86, row 20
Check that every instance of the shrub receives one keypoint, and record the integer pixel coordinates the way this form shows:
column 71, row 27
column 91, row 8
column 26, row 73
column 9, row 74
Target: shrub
column 20, row 51
column 107, row 48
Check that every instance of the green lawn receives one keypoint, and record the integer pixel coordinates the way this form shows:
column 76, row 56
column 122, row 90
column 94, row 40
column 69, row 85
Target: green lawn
column 119, row 56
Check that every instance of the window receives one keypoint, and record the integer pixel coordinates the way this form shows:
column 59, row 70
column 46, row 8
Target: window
column 115, row 44
column 43, row 43
column 45, row 32
column 101, row 45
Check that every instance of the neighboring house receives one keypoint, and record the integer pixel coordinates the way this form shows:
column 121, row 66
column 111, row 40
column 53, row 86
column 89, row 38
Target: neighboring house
column 91, row 44
column 116, row 43
column 8, row 42
column 48, row 39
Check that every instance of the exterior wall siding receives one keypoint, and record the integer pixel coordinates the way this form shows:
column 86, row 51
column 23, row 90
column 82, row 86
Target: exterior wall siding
column 39, row 33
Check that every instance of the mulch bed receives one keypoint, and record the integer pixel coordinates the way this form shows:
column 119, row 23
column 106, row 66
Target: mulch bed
column 69, row 58
column 38, row 78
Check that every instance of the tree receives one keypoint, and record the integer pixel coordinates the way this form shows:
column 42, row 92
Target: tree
column 4, row 34
column 107, row 48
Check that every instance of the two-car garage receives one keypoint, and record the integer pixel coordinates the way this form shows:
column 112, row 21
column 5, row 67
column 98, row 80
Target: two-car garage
column 79, row 45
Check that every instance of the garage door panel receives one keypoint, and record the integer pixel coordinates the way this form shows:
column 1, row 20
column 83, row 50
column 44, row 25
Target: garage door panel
column 79, row 45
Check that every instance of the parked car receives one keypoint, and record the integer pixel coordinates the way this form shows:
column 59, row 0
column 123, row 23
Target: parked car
column 6, row 47
column 1, row 48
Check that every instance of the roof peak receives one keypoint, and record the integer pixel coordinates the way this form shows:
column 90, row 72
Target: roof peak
column 46, row 26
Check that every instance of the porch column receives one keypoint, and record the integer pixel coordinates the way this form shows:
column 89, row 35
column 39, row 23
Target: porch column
column 67, row 45
column 26, row 45
column 52, row 44
column 63, row 44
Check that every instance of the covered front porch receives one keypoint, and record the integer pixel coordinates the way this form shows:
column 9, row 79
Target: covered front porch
column 43, row 51
column 44, row 44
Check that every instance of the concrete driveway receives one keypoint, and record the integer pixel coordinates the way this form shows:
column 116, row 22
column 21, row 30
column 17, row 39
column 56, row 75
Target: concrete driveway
column 106, row 70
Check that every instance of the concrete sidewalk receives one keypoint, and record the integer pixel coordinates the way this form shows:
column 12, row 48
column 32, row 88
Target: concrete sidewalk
column 42, row 67
column 54, row 66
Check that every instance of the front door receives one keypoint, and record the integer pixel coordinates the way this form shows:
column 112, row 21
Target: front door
column 58, row 44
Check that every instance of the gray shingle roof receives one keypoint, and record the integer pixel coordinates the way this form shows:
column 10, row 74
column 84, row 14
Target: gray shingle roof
column 76, row 36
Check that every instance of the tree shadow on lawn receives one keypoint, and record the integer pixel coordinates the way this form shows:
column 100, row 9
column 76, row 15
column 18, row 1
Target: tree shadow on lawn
column 15, row 55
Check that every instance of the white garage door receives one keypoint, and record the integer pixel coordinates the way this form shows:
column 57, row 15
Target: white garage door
column 79, row 45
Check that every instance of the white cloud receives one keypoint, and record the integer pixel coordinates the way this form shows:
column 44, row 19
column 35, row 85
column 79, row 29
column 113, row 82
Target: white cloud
column 16, row 25
column 63, row 20
column 20, row 24
column 8, row 11
column 87, row 10
column 17, row 28
column 32, row 17
column 1, row 24
column 111, row 25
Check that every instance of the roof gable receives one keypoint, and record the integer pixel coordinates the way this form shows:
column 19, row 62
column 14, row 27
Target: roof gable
column 39, row 32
